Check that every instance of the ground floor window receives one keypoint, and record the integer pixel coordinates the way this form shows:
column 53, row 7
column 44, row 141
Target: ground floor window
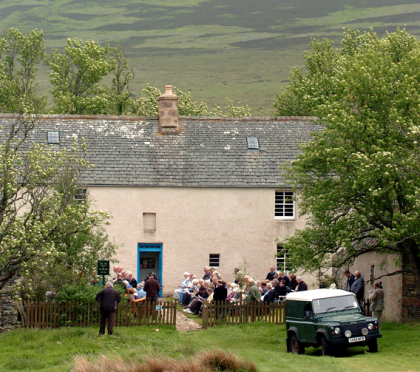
column 214, row 260
column 282, row 259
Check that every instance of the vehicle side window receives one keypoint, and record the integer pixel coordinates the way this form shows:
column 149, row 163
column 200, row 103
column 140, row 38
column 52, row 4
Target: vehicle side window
column 294, row 309
column 308, row 310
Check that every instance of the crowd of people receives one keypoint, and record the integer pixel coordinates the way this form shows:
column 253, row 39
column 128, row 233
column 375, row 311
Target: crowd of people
column 147, row 290
column 211, row 287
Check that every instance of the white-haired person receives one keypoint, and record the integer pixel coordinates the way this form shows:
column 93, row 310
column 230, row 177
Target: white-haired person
column 185, row 284
column 140, row 290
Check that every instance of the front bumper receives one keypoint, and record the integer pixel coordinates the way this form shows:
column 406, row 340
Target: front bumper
column 345, row 341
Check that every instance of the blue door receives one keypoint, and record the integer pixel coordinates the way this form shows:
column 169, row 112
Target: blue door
column 149, row 260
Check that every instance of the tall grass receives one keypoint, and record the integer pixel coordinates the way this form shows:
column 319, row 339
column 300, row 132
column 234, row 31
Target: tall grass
column 207, row 361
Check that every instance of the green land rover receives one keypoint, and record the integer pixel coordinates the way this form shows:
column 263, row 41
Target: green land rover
column 330, row 318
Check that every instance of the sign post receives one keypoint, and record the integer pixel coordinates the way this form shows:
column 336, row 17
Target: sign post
column 103, row 269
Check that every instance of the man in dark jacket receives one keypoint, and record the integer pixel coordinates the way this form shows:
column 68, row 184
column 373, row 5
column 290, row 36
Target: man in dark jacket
column 221, row 292
column 302, row 286
column 152, row 288
column 293, row 283
column 358, row 288
column 270, row 275
column 108, row 298
column 285, row 278
column 271, row 294
column 350, row 280
column 131, row 280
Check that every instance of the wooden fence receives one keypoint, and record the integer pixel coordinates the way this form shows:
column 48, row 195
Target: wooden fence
column 80, row 314
column 242, row 312
column 239, row 313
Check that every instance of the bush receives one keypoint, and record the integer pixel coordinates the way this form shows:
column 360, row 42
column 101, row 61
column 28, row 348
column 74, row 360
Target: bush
column 81, row 292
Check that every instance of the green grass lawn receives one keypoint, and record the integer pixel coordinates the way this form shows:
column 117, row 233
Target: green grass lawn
column 241, row 49
column 54, row 350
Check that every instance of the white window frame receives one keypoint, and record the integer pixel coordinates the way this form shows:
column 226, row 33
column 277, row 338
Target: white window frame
column 284, row 204
column 212, row 259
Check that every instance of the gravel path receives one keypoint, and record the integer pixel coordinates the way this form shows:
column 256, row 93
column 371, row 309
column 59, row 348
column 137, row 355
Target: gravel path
column 185, row 324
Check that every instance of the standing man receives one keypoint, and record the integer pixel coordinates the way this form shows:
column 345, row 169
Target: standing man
column 131, row 281
column 254, row 294
column 270, row 275
column 377, row 302
column 302, row 286
column 350, row 280
column 293, row 283
column 152, row 288
column 119, row 281
column 108, row 298
column 358, row 288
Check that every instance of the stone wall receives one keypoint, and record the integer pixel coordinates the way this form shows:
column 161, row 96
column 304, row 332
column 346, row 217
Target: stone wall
column 410, row 297
column 9, row 318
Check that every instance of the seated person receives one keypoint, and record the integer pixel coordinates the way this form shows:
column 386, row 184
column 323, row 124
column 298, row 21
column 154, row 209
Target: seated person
column 263, row 288
column 185, row 296
column 140, row 290
column 132, row 294
column 186, row 283
column 281, row 290
column 271, row 294
column 195, row 305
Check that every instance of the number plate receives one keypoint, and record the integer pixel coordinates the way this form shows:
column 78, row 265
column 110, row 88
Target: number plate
column 357, row 339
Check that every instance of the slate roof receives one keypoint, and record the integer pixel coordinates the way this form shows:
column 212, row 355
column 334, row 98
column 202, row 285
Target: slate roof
column 208, row 152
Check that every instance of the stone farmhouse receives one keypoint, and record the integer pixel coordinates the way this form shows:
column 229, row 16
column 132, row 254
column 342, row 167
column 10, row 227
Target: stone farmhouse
column 189, row 192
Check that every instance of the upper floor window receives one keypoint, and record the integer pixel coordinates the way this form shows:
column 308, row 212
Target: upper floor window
column 285, row 205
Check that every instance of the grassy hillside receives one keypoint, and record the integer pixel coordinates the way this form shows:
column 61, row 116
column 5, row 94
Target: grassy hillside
column 241, row 49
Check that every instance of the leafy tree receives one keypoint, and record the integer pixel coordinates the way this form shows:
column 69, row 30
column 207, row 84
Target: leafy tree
column 19, row 56
column 76, row 74
column 148, row 105
column 41, row 220
column 120, row 101
column 358, row 178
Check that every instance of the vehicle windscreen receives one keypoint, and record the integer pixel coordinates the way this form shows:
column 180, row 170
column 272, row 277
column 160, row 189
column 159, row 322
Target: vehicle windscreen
column 341, row 303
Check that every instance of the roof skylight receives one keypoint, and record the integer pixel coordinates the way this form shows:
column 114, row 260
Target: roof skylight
column 252, row 143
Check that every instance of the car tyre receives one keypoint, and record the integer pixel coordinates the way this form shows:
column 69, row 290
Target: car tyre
column 326, row 347
column 296, row 347
column 373, row 346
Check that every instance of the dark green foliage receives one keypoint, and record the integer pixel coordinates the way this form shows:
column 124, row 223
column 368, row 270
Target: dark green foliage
column 82, row 292
column 357, row 180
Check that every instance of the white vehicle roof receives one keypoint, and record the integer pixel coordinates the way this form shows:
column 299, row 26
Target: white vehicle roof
column 316, row 294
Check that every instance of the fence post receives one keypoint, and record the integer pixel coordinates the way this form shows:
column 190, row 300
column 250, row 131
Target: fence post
column 205, row 315
column 174, row 312
column 241, row 313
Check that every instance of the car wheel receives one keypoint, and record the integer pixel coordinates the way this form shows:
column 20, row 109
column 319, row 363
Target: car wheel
column 326, row 347
column 296, row 346
column 373, row 346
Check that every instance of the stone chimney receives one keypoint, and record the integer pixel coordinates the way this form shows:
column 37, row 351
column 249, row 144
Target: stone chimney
column 168, row 111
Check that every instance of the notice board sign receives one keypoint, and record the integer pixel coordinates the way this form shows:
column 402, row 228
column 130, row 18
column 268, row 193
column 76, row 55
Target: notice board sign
column 103, row 267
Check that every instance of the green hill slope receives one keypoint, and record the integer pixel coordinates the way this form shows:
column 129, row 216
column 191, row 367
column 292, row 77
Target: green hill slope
column 241, row 49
